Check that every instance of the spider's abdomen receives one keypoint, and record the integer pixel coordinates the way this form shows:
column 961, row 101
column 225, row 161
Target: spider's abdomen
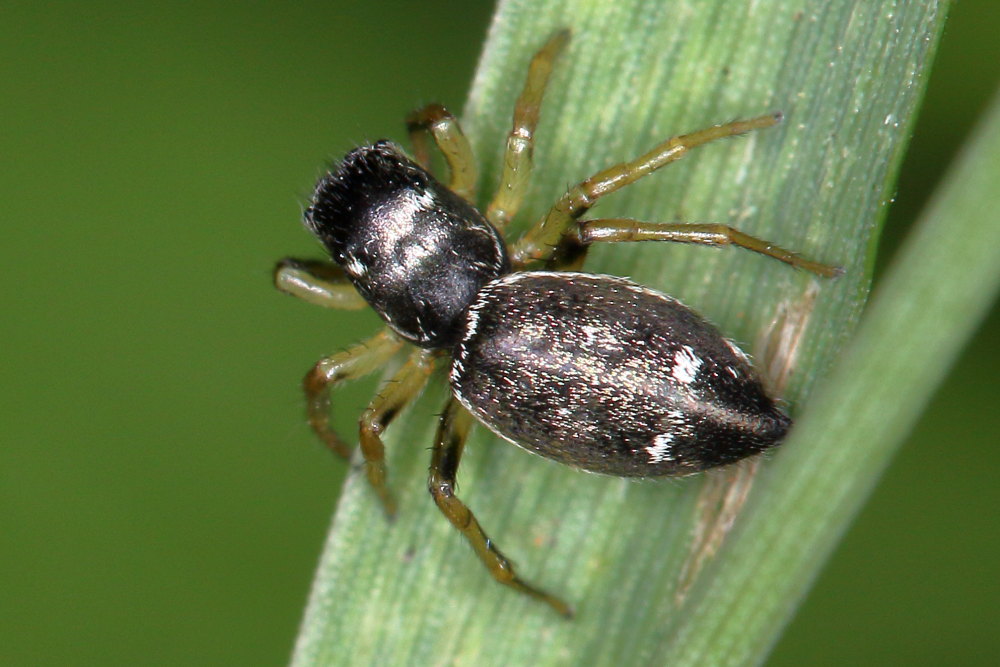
column 602, row 374
column 415, row 250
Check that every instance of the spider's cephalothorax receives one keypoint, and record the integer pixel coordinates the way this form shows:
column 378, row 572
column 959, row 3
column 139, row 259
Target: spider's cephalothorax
column 414, row 249
column 590, row 370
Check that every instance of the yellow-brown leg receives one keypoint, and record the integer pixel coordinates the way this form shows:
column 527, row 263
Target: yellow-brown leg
column 438, row 122
column 354, row 362
column 542, row 240
column 617, row 230
column 320, row 283
column 404, row 386
column 448, row 446
column 521, row 140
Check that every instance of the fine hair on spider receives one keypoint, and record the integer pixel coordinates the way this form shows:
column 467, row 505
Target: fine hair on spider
column 594, row 371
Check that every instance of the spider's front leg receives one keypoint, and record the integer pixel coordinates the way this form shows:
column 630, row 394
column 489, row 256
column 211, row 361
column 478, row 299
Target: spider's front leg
column 447, row 134
column 448, row 445
column 318, row 282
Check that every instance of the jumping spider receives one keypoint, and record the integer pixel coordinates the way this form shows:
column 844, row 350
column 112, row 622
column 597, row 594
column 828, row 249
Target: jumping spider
column 591, row 370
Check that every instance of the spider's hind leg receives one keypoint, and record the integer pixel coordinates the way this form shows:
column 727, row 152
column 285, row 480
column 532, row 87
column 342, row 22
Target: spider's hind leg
column 448, row 445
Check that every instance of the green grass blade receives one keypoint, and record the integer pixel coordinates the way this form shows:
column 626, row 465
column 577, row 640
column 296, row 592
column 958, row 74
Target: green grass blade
column 848, row 77
column 944, row 279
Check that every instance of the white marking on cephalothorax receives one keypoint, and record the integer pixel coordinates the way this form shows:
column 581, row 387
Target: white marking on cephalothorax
column 412, row 255
column 398, row 216
column 686, row 365
column 426, row 201
column 408, row 203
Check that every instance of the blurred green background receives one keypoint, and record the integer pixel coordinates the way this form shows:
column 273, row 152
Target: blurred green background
column 161, row 500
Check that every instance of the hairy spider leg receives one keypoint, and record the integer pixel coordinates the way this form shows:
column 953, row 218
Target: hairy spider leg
column 453, row 429
column 516, row 174
column 318, row 282
column 398, row 392
column 354, row 362
column 617, row 230
column 447, row 134
column 542, row 241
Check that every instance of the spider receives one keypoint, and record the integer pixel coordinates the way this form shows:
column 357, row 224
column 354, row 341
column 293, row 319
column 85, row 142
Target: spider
column 593, row 371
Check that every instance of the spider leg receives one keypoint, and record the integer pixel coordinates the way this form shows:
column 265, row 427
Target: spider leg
column 616, row 230
column 448, row 445
column 320, row 283
column 541, row 242
column 447, row 134
column 404, row 386
column 516, row 173
column 354, row 362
